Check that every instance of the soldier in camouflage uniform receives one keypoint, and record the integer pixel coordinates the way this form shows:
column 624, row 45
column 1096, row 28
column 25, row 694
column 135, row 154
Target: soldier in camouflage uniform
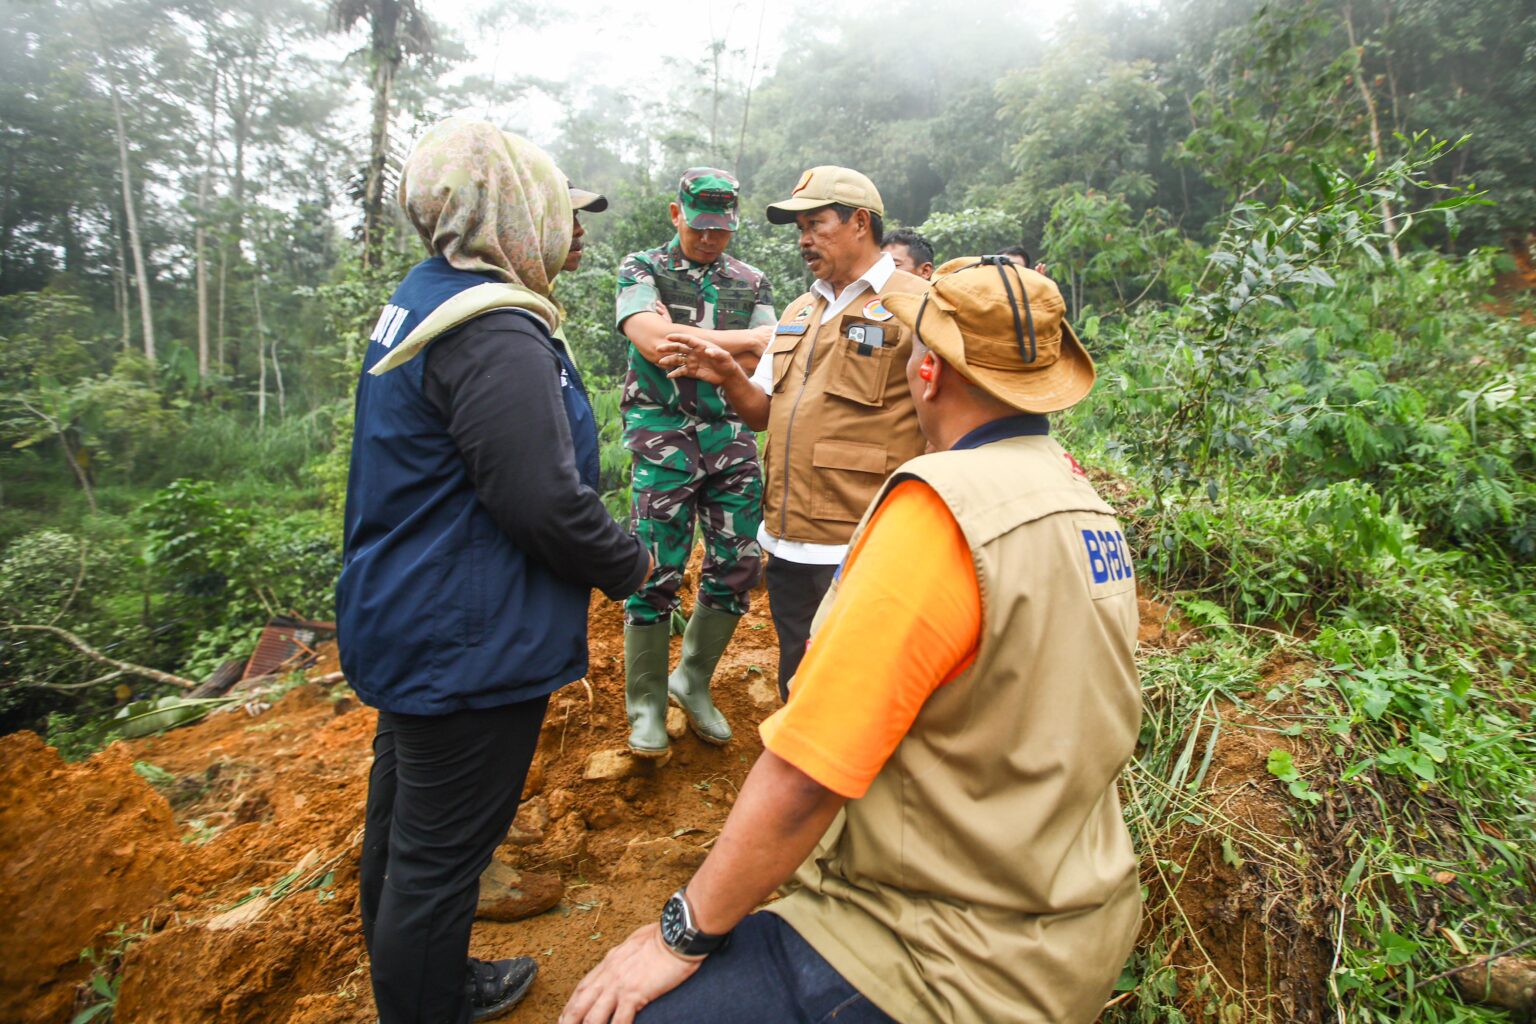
column 694, row 460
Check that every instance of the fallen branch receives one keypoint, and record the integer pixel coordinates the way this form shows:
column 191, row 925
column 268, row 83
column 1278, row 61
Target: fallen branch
column 122, row 666
column 1490, row 958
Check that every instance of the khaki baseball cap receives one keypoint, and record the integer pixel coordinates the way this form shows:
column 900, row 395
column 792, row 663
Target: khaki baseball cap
column 823, row 186
column 583, row 201
column 1004, row 328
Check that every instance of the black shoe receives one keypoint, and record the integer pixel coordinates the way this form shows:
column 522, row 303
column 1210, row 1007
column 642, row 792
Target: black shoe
column 495, row 986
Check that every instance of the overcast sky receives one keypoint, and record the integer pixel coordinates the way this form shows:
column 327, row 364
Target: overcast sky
column 609, row 43
column 604, row 42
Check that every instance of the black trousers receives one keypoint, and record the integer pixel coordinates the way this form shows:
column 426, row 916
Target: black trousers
column 795, row 590
column 441, row 795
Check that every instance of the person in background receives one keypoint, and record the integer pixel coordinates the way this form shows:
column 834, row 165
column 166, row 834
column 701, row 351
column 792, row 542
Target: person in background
column 944, row 774
column 473, row 538
column 1020, row 255
column 695, row 462
column 911, row 252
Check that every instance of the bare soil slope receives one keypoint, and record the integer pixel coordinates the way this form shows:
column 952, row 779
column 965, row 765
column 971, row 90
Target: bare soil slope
column 241, row 874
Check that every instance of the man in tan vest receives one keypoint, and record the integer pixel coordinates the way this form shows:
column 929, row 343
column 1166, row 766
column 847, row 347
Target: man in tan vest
column 944, row 774
column 829, row 391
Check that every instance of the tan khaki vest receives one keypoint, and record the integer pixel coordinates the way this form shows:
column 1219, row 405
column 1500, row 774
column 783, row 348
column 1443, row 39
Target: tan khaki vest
column 987, row 876
column 841, row 420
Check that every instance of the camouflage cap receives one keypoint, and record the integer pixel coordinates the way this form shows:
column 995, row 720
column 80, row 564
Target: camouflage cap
column 708, row 197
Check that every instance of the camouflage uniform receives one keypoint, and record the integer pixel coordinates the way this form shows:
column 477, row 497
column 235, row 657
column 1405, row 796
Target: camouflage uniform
column 693, row 457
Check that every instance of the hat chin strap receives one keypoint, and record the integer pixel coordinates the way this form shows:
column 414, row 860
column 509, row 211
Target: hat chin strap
column 1022, row 328
column 1029, row 316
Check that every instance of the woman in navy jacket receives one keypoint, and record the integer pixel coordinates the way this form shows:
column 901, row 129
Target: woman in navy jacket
column 474, row 536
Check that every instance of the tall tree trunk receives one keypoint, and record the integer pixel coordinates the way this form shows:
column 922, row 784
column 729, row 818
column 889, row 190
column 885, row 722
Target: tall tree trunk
column 223, row 289
column 716, row 47
column 120, row 282
column 261, row 350
column 60, row 429
column 277, row 375
column 84, row 478
column 746, row 106
column 264, row 346
column 202, row 233
column 141, row 272
column 385, row 55
column 1388, row 218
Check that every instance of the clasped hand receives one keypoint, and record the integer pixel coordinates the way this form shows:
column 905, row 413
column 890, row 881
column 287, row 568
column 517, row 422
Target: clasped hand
column 683, row 355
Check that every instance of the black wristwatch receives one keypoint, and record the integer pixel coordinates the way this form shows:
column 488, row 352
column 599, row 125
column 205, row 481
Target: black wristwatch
column 681, row 935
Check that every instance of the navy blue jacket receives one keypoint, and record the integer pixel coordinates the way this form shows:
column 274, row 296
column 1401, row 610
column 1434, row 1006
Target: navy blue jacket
column 474, row 532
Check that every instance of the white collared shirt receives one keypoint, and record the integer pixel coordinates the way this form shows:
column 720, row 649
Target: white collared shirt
column 872, row 280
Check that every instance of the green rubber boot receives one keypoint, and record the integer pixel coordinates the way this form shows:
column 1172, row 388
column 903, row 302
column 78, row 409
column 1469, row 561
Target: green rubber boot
column 645, row 687
column 704, row 641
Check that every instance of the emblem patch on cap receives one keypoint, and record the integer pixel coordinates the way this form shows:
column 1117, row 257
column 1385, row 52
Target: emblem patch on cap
column 875, row 310
column 805, row 179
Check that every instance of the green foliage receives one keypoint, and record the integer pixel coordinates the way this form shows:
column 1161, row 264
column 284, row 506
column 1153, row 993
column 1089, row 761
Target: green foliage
column 1082, row 119
column 79, row 738
column 227, row 569
column 614, row 458
column 1322, row 416
column 973, row 231
column 106, row 974
column 1101, row 254
column 39, row 573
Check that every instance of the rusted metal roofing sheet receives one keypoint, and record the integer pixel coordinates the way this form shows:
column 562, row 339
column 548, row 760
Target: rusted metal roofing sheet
column 286, row 643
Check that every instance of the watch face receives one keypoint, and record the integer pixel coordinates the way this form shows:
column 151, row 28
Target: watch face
column 674, row 921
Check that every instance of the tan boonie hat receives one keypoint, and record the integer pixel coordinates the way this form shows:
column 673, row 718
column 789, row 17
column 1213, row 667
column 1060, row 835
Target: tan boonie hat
column 823, row 186
column 583, row 201
column 1004, row 328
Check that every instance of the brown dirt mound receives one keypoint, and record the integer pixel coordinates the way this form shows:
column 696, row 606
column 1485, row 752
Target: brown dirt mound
column 83, row 848
column 1254, row 928
column 245, row 867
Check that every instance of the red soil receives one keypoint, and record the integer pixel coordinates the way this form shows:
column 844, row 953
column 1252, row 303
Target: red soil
column 89, row 847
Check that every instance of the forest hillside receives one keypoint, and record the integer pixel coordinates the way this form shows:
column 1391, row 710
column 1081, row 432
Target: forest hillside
column 1296, row 237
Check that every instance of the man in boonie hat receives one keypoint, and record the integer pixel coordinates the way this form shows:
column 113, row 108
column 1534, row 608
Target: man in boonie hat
column 981, row 869
column 695, row 462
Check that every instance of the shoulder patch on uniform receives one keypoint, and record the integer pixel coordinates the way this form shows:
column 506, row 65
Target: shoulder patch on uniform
column 805, row 311
column 1105, row 556
column 1074, row 465
column 875, row 310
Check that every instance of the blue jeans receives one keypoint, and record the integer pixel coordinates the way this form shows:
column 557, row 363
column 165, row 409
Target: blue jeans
column 768, row 974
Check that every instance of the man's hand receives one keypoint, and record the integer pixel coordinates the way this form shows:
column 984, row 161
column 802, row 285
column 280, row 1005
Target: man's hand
column 683, row 355
column 635, row 973
column 762, row 337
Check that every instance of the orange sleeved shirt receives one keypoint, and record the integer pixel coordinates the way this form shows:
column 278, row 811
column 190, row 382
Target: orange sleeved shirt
column 906, row 620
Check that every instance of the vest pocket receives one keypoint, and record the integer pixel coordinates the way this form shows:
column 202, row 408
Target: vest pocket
column 782, row 351
column 861, row 377
column 845, row 479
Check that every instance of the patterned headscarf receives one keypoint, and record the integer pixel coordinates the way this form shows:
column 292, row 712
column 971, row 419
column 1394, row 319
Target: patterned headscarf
column 489, row 201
